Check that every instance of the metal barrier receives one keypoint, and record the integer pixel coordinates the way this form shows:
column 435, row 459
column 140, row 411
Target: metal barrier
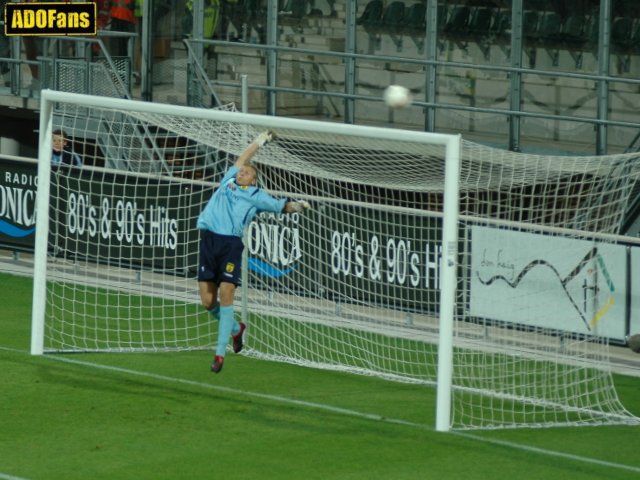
column 71, row 64
column 271, row 85
column 200, row 92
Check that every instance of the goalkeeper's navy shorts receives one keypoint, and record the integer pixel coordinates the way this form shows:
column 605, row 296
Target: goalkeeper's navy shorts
column 220, row 258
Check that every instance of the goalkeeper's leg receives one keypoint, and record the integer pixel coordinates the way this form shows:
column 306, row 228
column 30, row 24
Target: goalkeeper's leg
column 227, row 326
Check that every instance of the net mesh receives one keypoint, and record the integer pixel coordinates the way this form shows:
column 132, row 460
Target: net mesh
column 354, row 284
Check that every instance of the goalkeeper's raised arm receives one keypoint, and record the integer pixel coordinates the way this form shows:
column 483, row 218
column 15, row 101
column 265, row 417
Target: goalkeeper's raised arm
column 250, row 151
column 222, row 223
column 247, row 174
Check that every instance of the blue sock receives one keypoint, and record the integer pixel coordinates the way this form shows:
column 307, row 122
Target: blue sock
column 236, row 328
column 225, row 326
column 215, row 312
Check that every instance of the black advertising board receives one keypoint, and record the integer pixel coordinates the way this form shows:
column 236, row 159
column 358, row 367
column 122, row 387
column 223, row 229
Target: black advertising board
column 18, row 184
column 125, row 220
column 111, row 218
column 350, row 253
column 366, row 254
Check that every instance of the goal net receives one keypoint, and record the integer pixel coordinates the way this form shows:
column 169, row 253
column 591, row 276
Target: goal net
column 424, row 259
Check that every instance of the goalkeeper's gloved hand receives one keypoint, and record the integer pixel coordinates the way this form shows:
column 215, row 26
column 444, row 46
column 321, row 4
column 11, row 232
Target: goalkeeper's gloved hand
column 299, row 206
column 264, row 137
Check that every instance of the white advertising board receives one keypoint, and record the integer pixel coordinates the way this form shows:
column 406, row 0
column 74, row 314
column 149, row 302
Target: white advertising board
column 547, row 281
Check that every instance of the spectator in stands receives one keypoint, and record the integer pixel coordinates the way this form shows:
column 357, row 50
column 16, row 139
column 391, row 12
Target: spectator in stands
column 61, row 154
column 123, row 19
column 227, row 8
column 103, row 21
column 211, row 13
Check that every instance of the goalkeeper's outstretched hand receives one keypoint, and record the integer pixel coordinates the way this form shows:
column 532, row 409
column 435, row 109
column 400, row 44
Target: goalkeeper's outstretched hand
column 264, row 137
column 297, row 206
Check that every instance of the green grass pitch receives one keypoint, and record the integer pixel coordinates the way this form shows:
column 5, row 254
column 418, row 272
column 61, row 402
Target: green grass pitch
column 165, row 416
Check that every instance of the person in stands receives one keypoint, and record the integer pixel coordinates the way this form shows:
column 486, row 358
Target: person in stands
column 61, row 154
column 123, row 19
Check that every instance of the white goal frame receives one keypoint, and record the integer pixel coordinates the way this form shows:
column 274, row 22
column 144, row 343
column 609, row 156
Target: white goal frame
column 448, row 272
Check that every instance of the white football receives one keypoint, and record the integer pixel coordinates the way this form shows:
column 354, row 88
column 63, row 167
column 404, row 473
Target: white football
column 397, row 96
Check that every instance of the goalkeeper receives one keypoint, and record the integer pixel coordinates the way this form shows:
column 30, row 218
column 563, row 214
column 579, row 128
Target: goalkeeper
column 222, row 222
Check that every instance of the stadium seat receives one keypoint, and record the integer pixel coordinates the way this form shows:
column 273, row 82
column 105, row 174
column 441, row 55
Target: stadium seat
column 443, row 16
column 393, row 17
column 294, row 9
column 458, row 20
column 549, row 35
column 621, row 32
column 393, row 22
column 580, row 30
column 538, row 5
column 501, row 27
column 390, row 20
column 372, row 15
column 415, row 20
column 623, row 42
column 577, row 32
column 371, row 22
column 635, row 37
column 550, row 27
column 480, row 28
column 415, row 24
column 573, row 30
column 481, row 20
column 530, row 23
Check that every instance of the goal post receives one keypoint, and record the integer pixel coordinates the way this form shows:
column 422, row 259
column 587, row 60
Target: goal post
column 449, row 266
column 491, row 276
column 42, row 229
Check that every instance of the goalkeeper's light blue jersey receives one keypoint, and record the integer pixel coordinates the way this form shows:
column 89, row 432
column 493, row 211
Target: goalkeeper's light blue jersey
column 232, row 207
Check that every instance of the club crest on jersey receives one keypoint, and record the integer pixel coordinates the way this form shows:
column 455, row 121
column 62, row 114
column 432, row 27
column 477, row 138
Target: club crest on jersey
column 230, row 267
